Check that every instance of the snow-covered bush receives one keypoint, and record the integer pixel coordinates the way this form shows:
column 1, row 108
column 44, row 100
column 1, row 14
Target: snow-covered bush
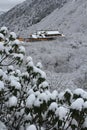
column 26, row 103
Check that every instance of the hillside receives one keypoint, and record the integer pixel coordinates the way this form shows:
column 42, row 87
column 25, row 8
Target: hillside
column 29, row 12
column 64, row 59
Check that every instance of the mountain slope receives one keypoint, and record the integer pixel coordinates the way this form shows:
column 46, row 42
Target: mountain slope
column 71, row 18
column 29, row 12
column 64, row 59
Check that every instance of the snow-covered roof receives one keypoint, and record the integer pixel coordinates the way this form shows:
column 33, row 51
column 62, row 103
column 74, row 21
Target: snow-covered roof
column 52, row 32
column 42, row 34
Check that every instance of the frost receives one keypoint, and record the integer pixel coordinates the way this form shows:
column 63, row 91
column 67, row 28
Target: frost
column 77, row 104
column 31, row 127
column 12, row 101
column 1, row 85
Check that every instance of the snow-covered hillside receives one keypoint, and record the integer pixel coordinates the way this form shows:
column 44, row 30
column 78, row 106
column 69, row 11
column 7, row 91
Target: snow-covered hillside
column 64, row 59
column 28, row 13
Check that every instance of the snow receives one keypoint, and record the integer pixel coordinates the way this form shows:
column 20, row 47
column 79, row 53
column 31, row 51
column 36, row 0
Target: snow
column 1, row 85
column 1, row 73
column 12, row 101
column 52, row 32
column 2, row 126
column 44, row 85
column 20, row 56
column 74, row 122
column 77, row 104
column 31, row 127
column 34, row 36
column 13, row 35
column 61, row 112
column 85, row 123
column 39, row 65
column 53, row 106
column 29, row 59
column 10, row 67
column 15, row 84
column 85, row 105
column 54, row 95
column 30, row 64
column 30, row 101
column 1, row 36
column 1, row 46
column 43, row 97
column 22, row 49
column 79, row 92
column 61, row 96
column 4, row 29
column 42, row 73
